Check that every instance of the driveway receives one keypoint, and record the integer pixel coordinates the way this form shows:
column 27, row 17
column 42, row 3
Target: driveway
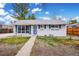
column 6, row 35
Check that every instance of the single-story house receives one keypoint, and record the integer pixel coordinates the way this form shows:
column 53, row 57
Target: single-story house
column 40, row 27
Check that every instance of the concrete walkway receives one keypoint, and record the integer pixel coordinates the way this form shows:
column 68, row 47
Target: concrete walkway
column 26, row 49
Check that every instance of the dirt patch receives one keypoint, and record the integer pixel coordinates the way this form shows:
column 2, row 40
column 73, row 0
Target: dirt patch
column 9, row 49
column 41, row 48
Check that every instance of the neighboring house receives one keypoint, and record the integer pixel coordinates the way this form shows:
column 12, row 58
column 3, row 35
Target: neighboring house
column 40, row 27
column 6, row 28
column 73, row 25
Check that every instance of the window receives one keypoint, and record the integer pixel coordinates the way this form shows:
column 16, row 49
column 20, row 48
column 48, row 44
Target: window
column 42, row 26
column 27, row 29
column 19, row 28
column 16, row 28
column 23, row 29
column 59, row 26
column 74, row 26
column 39, row 26
column 53, row 26
column 45, row 26
column 49, row 26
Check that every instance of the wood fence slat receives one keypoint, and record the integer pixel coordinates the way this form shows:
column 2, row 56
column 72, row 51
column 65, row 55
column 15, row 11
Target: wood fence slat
column 73, row 31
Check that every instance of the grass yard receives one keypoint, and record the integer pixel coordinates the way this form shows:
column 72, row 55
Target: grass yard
column 55, row 46
column 59, row 40
column 14, row 40
column 10, row 46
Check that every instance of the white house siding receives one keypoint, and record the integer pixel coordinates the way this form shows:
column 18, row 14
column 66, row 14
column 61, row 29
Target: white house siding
column 43, row 32
column 23, row 34
column 31, row 30
column 59, row 32
column 47, row 31
column 14, row 30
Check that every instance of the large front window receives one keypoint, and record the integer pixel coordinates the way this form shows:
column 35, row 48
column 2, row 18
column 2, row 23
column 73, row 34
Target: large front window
column 23, row 29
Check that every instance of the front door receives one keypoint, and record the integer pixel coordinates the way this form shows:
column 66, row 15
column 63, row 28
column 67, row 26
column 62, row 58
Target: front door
column 34, row 29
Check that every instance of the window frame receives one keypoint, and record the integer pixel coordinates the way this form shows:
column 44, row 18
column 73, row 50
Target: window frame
column 42, row 26
column 53, row 27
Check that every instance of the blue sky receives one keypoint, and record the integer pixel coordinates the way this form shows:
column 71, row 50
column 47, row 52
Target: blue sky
column 66, row 11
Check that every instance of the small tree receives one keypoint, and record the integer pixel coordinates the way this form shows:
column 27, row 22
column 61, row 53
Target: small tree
column 32, row 17
column 72, row 21
column 20, row 10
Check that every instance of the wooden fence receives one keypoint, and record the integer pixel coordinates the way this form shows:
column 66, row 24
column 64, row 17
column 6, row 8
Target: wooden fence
column 73, row 31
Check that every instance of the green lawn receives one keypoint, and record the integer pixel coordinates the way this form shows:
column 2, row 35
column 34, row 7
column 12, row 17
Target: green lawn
column 58, row 40
column 14, row 40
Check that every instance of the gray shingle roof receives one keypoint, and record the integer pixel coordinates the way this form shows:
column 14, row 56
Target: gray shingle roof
column 38, row 22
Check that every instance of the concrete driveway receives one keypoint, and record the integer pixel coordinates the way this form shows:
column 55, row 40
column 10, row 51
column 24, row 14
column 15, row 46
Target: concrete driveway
column 6, row 35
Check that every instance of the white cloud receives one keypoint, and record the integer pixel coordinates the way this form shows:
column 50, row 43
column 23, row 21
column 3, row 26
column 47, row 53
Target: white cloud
column 64, row 18
column 1, row 19
column 36, row 10
column 75, row 18
column 46, row 12
column 45, row 18
column 61, row 17
column 58, row 17
column 8, row 17
column 5, row 16
column 2, row 5
column 2, row 12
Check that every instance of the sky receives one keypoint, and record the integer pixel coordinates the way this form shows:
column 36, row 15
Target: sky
column 43, row 11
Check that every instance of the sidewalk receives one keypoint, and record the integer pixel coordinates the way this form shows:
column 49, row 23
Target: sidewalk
column 26, row 49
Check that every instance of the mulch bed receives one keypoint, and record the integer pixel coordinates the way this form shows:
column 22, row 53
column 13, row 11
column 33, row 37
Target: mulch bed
column 41, row 48
column 9, row 49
